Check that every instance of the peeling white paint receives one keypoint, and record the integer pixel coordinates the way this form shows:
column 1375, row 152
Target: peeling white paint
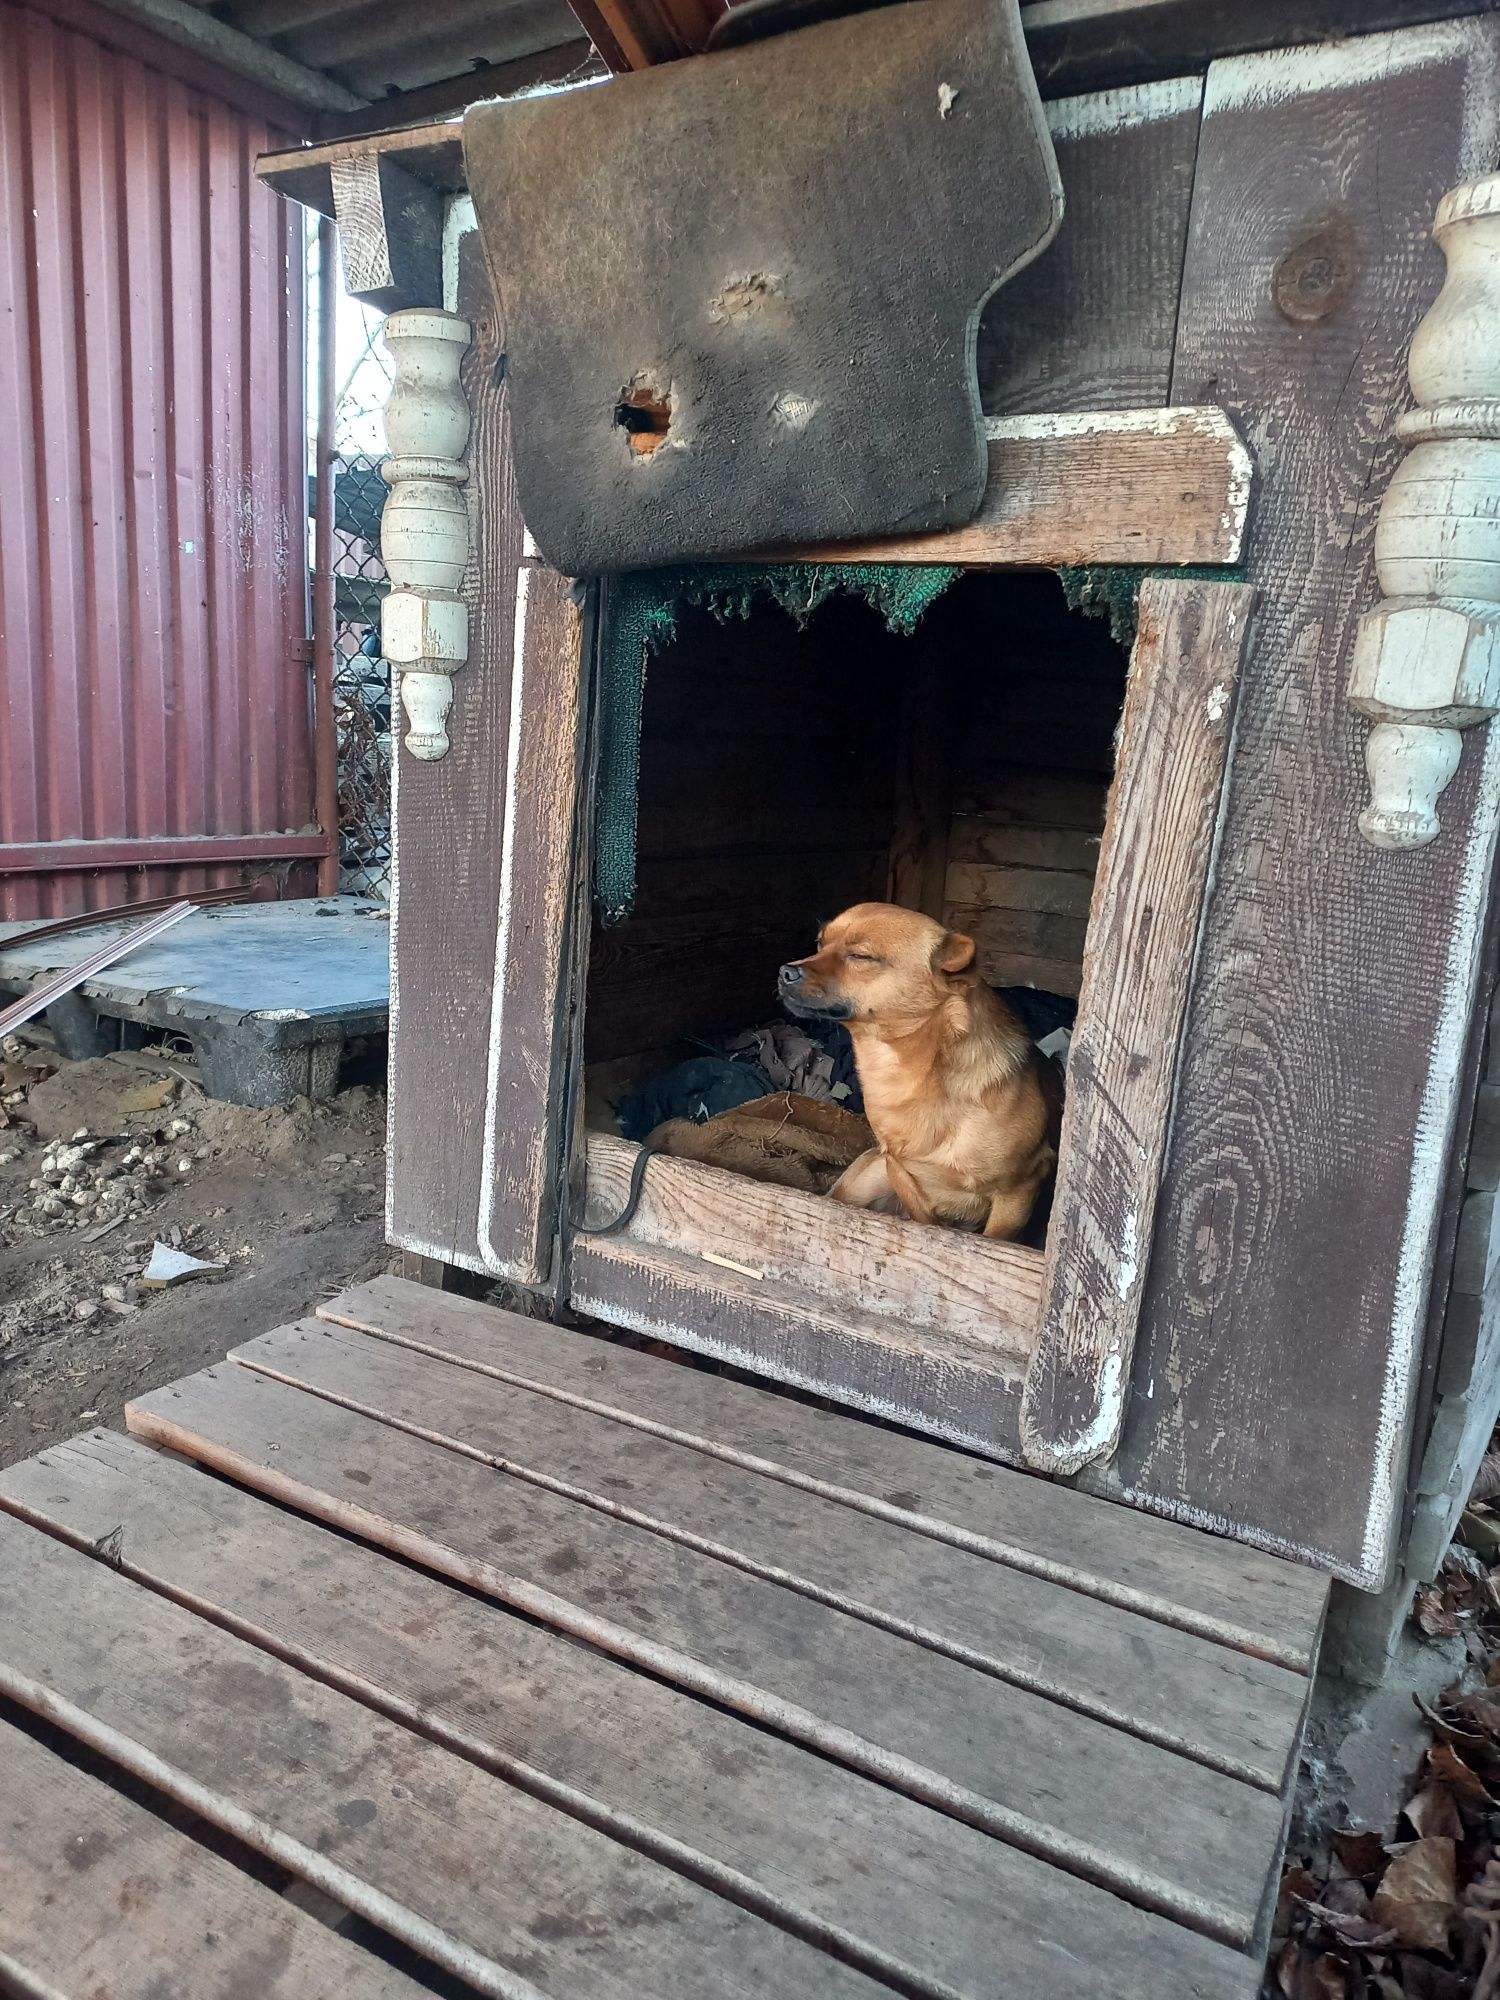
column 1129, row 1268
column 1121, row 110
column 1256, row 82
column 1097, row 1436
column 946, row 96
column 500, row 1266
column 458, row 222
column 1218, row 701
column 1434, row 1130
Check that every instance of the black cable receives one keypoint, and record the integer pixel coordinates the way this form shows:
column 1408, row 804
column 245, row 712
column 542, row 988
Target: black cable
column 632, row 1198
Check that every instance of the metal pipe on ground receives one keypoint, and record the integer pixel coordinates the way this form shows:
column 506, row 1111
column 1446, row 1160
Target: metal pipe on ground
column 325, row 732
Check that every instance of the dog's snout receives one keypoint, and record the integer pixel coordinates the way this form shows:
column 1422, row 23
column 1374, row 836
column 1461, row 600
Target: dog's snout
column 792, row 975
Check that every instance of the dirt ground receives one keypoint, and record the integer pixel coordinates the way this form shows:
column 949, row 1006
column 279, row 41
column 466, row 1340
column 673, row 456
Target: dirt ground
column 289, row 1201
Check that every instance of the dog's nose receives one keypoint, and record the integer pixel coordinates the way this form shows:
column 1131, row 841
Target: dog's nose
column 791, row 975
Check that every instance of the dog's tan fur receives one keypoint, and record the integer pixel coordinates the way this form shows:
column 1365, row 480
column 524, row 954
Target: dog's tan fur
column 964, row 1109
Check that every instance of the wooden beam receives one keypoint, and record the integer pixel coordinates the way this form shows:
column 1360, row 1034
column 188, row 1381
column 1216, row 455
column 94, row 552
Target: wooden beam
column 390, row 231
column 1083, row 45
column 1154, row 869
column 1106, row 486
column 637, row 34
column 565, row 62
column 429, row 153
column 937, row 1287
column 529, row 1021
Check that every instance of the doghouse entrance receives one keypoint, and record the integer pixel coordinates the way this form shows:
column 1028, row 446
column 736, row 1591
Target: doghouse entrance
column 789, row 767
column 787, row 771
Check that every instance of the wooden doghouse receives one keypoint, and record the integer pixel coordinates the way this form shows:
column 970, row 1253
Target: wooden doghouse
column 1251, row 828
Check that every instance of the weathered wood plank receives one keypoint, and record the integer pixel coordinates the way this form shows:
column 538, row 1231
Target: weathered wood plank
column 919, row 834
column 448, row 819
column 866, row 1361
column 1052, row 891
column 1144, row 921
column 1286, row 1299
column 431, row 153
column 390, row 232
column 1078, row 44
column 1178, row 1575
column 1048, row 1779
column 977, row 838
column 1209, row 1702
column 962, row 1287
column 500, row 1888
column 907, row 1891
column 103, row 1898
column 529, row 1020
column 1090, row 325
column 1106, row 486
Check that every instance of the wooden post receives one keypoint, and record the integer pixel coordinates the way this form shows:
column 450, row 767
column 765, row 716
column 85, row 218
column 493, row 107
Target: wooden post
column 1427, row 660
column 1154, row 869
column 424, row 537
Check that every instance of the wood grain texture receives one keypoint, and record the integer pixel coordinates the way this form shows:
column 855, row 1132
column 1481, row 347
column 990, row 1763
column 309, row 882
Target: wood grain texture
column 919, row 833
column 1080, row 44
column 448, row 819
column 1144, row 924
column 1215, row 1705
column 515, row 1896
column 1090, row 325
column 1112, row 486
column 102, row 1897
column 431, row 153
column 390, row 232
column 1316, row 1093
column 1220, row 1589
column 960, row 1288
column 529, row 1023
column 903, row 1891
column 936, row 1728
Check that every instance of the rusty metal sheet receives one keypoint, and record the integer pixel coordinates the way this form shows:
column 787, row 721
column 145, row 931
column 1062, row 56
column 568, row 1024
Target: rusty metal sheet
column 153, row 682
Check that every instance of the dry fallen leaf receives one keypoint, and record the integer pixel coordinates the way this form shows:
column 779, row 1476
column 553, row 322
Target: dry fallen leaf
column 1435, row 1615
column 1433, row 1812
column 1416, row 1896
column 1360, row 1852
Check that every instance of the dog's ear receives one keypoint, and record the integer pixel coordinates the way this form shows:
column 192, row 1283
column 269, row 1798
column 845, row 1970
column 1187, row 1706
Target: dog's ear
column 953, row 953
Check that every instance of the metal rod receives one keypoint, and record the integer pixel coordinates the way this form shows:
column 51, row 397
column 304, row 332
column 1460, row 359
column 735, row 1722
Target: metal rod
column 41, row 997
column 49, row 857
column 115, row 913
column 325, row 734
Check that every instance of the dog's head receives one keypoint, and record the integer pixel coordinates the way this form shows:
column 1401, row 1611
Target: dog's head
column 877, row 963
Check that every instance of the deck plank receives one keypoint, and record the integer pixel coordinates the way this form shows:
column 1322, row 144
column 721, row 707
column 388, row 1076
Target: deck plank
column 1177, row 1574
column 1168, row 1832
column 499, row 1887
column 910, row 1891
column 1222, row 1708
column 102, row 1897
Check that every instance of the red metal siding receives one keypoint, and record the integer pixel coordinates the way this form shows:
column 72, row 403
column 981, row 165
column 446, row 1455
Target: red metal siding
column 153, row 552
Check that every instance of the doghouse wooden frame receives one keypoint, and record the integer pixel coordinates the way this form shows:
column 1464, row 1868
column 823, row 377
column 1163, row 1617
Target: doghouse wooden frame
column 944, row 1328
column 1231, row 245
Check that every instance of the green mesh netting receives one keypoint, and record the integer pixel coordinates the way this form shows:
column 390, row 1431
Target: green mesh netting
column 1113, row 591
column 641, row 617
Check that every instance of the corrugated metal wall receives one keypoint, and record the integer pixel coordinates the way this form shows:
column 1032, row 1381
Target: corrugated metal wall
column 154, row 690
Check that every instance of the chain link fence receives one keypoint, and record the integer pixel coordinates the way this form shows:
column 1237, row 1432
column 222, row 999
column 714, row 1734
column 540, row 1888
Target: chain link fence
column 361, row 678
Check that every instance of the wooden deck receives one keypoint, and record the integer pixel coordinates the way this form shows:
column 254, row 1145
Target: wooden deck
column 582, row 1673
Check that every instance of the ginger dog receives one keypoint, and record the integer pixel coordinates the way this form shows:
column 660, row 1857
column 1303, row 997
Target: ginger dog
column 964, row 1109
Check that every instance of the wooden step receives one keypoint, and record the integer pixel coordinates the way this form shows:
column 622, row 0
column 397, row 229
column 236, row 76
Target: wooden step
column 582, row 1672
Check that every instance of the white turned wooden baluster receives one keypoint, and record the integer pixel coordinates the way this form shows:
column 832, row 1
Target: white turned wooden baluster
column 1427, row 659
column 424, row 537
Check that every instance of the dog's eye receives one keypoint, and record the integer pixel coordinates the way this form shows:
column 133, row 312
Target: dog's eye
column 861, row 958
